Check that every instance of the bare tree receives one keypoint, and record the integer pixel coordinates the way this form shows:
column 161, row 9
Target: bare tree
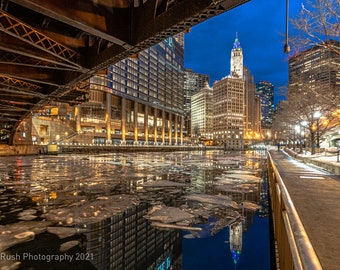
column 313, row 115
column 313, row 94
column 284, row 125
column 317, row 24
column 310, row 110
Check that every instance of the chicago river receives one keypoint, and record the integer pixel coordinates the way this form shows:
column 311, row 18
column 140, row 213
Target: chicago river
column 138, row 210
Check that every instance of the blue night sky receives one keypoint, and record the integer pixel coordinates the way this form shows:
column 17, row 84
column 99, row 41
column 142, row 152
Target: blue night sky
column 261, row 27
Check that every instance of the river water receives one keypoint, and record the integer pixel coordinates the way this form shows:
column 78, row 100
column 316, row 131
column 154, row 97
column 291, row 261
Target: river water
column 179, row 210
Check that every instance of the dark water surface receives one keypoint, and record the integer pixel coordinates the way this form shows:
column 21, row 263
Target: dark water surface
column 180, row 210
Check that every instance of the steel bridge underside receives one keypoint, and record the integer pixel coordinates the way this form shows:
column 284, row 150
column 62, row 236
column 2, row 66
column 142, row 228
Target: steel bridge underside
column 49, row 49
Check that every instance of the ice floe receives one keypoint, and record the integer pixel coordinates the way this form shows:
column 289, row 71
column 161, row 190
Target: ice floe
column 162, row 183
column 213, row 199
column 161, row 213
column 71, row 191
column 68, row 245
column 250, row 205
column 64, row 232
column 15, row 233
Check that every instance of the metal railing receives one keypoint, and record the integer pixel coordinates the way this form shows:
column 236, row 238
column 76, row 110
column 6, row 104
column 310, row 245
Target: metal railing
column 294, row 248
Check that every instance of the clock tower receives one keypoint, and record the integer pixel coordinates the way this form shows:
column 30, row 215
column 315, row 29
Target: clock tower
column 236, row 60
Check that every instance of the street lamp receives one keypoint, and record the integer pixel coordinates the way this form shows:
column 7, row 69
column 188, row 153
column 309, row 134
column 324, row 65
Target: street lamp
column 286, row 48
column 298, row 131
column 304, row 126
column 317, row 116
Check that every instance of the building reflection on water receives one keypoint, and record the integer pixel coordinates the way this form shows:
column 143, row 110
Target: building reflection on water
column 103, row 200
column 235, row 240
column 256, row 192
column 127, row 241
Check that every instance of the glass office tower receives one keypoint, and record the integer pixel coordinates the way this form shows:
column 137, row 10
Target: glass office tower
column 265, row 91
column 138, row 100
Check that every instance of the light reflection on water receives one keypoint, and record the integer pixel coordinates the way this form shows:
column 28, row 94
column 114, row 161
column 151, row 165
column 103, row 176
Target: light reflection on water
column 41, row 195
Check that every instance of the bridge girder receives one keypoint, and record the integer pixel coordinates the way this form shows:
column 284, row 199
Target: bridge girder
column 53, row 46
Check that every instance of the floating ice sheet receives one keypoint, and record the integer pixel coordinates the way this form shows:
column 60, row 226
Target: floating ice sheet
column 167, row 214
column 213, row 199
column 250, row 205
column 15, row 233
column 162, row 183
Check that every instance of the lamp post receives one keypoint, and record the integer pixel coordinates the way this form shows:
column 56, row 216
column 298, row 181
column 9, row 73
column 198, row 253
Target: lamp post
column 286, row 48
column 304, row 125
column 317, row 116
column 298, row 129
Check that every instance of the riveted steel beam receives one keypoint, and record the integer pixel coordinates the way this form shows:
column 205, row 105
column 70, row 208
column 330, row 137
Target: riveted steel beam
column 13, row 27
column 21, row 93
column 19, row 84
column 32, row 74
column 50, row 49
column 179, row 16
column 19, row 104
column 151, row 27
column 109, row 20
column 11, row 58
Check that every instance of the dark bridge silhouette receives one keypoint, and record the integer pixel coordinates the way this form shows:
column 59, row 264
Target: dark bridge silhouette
column 49, row 48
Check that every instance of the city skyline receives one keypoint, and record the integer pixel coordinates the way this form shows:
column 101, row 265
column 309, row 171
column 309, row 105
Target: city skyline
column 260, row 28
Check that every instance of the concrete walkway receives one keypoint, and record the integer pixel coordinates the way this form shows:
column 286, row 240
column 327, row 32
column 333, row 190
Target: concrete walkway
column 325, row 160
column 316, row 197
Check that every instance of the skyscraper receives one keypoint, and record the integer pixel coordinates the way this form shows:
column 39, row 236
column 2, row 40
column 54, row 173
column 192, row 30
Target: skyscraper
column 314, row 87
column 193, row 82
column 202, row 114
column 318, row 68
column 252, row 117
column 229, row 103
column 265, row 91
column 147, row 91
column 138, row 100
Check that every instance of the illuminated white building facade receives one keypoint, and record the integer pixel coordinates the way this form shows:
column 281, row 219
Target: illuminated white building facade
column 193, row 82
column 202, row 114
column 236, row 60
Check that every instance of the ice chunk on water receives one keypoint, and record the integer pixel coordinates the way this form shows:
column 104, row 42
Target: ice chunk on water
column 27, row 212
column 25, row 236
column 213, row 199
column 12, row 234
column 162, row 183
column 241, row 172
column 250, row 205
column 244, row 177
column 91, row 211
column 175, row 226
column 27, row 217
column 168, row 214
column 63, row 232
column 68, row 245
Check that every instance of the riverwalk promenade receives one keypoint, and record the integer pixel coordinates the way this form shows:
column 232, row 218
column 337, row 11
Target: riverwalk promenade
column 315, row 194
